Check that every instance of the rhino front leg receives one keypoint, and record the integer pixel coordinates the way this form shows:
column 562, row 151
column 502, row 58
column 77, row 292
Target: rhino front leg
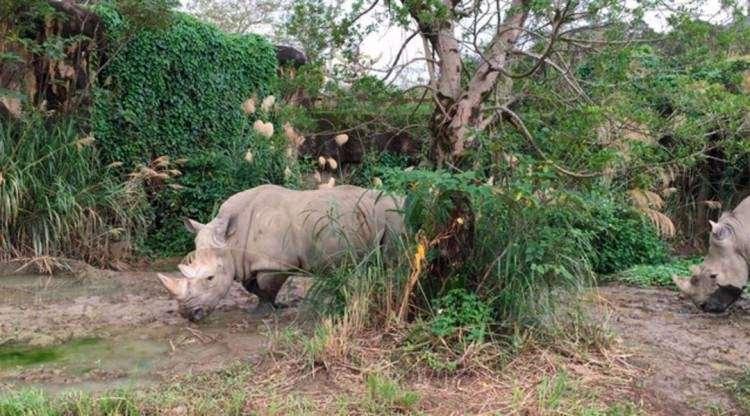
column 265, row 286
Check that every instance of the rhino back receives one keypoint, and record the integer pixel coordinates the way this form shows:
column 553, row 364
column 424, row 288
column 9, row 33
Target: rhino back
column 280, row 229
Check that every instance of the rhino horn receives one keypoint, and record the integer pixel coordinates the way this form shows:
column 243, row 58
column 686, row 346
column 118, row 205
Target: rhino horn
column 682, row 283
column 177, row 287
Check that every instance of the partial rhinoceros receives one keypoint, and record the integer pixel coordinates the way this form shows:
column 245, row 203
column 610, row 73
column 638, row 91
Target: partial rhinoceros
column 719, row 281
column 262, row 235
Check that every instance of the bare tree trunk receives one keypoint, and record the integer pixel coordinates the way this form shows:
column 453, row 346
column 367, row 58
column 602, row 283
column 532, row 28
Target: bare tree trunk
column 430, row 60
column 458, row 110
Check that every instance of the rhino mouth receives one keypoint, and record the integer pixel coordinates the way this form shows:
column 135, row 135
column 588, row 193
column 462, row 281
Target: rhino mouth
column 721, row 299
column 193, row 314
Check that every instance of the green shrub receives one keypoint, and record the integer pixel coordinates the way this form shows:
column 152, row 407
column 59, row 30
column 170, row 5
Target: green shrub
column 622, row 237
column 56, row 199
column 525, row 247
column 655, row 275
column 461, row 316
column 374, row 165
column 178, row 92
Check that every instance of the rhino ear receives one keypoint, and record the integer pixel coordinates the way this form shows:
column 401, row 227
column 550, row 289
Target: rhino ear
column 177, row 287
column 192, row 225
column 223, row 229
column 714, row 226
column 720, row 231
column 186, row 270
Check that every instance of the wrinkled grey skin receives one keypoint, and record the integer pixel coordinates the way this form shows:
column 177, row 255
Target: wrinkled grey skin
column 718, row 282
column 262, row 235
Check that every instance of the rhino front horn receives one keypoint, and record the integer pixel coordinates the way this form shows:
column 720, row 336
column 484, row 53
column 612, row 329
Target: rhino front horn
column 682, row 283
column 177, row 287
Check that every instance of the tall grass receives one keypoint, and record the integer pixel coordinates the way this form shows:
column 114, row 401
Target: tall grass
column 56, row 199
column 518, row 278
column 527, row 248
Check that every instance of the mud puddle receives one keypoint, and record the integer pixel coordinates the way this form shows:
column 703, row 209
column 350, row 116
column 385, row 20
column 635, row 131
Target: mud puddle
column 689, row 355
column 115, row 330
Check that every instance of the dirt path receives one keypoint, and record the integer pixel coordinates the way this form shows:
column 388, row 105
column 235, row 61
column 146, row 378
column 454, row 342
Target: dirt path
column 688, row 354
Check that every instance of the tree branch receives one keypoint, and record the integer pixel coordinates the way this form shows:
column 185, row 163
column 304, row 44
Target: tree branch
column 521, row 127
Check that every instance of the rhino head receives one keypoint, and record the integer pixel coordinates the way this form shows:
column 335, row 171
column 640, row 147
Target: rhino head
column 209, row 274
column 718, row 282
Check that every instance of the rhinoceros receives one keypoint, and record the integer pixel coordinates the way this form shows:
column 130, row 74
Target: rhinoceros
column 718, row 282
column 262, row 235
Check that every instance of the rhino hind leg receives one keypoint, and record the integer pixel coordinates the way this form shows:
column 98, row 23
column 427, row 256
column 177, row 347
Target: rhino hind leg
column 265, row 286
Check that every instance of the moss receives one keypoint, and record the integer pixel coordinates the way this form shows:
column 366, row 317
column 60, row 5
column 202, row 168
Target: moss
column 25, row 355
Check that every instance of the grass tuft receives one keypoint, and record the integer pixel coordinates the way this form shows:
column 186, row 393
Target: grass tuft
column 55, row 197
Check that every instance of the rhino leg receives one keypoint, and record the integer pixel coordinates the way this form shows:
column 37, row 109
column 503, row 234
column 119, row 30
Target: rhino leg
column 265, row 286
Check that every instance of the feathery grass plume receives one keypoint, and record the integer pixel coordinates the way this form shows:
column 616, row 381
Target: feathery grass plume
column 341, row 139
column 264, row 129
column 667, row 192
column 330, row 184
column 510, row 159
column 643, row 198
column 650, row 203
column 84, row 142
column 160, row 162
column 295, row 139
column 377, row 182
column 268, row 103
column 712, row 204
column 287, row 172
column 332, row 163
column 249, row 156
column 322, row 161
column 249, row 106
column 317, row 177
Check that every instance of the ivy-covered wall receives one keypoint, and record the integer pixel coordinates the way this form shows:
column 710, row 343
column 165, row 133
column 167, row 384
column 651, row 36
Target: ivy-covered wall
column 178, row 91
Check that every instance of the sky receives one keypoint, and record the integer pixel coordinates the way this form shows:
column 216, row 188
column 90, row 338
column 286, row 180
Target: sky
column 384, row 43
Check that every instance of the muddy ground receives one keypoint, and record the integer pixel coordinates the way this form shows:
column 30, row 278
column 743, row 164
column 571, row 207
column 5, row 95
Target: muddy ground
column 115, row 330
column 688, row 355
column 121, row 329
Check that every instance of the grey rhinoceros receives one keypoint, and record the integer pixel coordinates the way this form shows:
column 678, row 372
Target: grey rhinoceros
column 262, row 235
column 718, row 282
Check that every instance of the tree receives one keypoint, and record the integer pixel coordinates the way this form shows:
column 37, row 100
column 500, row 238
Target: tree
column 240, row 16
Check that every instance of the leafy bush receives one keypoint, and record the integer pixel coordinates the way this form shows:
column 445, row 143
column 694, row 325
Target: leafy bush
column 374, row 165
column 655, row 275
column 178, row 92
column 525, row 245
column 55, row 198
column 461, row 316
column 622, row 237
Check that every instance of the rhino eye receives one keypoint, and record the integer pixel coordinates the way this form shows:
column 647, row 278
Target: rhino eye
column 714, row 276
column 210, row 278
